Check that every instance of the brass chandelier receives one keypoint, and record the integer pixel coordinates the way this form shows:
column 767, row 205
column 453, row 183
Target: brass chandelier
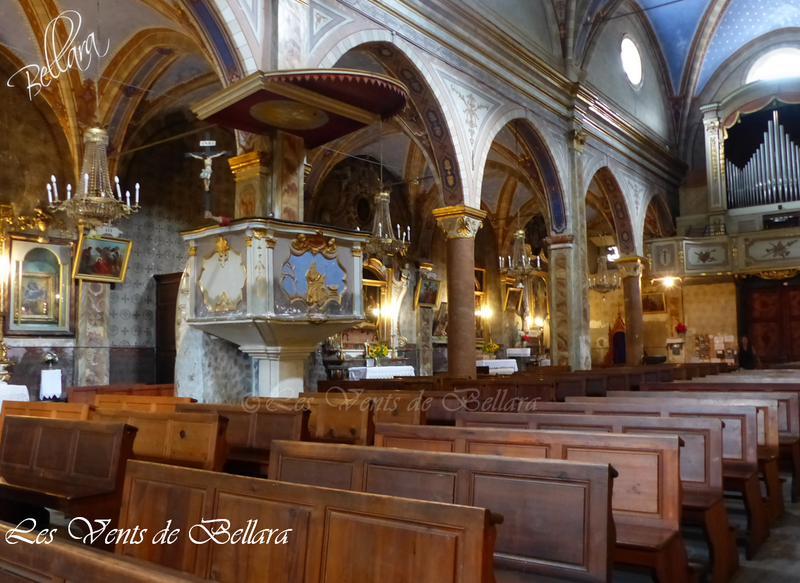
column 520, row 263
column 384, row 242
column 95, row 202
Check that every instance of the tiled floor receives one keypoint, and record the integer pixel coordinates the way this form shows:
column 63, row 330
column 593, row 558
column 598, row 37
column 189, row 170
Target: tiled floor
column 778, row 561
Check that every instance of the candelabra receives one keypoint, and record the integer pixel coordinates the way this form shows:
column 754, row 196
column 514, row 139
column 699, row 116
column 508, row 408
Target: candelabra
column 93, row 202
column 383, row 241
column 602, row 282
column 520, row 263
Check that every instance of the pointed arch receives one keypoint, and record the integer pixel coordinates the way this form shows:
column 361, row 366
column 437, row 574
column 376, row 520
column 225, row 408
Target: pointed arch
column 611, row 189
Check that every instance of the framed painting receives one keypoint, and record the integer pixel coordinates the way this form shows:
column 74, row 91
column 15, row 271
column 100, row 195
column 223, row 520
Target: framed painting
column 37, row 297
column 427, row 295
column 653, row 303
column 101, row 259
column 513, row 301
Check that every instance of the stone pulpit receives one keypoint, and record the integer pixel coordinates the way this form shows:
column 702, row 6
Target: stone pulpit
column 276, row 289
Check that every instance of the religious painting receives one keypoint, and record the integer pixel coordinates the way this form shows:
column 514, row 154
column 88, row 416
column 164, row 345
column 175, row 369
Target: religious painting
column 427, row 295
column 102, row 259
column 440, row 325
column 37, row 297
column 372, row 306
column 480, row 280
column 513, row 300
column 654, row 303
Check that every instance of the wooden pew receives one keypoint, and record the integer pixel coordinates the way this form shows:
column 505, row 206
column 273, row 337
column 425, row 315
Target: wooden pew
column 389, row 406
column 195, row 440
column 789, row 421
column 140, row 403
column 60, row 561
column 327, row 422
column 395, row 384
column 700, row 462
column 76, row 467
column 768, row 434
column 87, row 394
column 558, row 520
column 336, row 536
column 250, row 434
column 646, row 500
column 47, row 409
column 739, row 446
column 594, row 383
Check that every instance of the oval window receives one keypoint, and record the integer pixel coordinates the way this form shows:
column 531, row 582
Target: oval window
column 631, row 61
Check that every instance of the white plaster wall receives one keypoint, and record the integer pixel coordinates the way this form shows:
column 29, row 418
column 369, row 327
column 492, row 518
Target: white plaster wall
column 527, row 22
column 647, row 102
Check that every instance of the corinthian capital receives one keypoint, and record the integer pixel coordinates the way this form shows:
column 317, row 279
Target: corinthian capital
column 629, row 266
column 459, row 222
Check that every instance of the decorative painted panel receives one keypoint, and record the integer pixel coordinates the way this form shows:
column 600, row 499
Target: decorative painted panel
column 707, row 255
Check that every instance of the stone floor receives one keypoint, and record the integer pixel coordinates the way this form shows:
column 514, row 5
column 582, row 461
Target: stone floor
column 778, row 561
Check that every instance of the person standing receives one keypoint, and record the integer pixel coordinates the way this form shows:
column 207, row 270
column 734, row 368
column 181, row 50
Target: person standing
column 747, row 356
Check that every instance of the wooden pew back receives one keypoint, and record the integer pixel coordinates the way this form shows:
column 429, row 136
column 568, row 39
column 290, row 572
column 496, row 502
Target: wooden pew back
column 739, row 432
column 701, row 453
column 61, row 561
column 557, row 514
column 71, row 411
column 646, row 492
column 139, row 402
column 87, row 394
column 389, row 406
column 65, row 455
column 340, row 536
column 195, row 440
column 250, row 434
column 333, row 422
column 766, row 413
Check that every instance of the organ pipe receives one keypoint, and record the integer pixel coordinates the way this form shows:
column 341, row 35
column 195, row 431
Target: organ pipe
column 772, row 175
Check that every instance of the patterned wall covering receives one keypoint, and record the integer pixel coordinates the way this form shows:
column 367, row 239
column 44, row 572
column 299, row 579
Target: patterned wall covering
column 157, row 248
column 710, row 309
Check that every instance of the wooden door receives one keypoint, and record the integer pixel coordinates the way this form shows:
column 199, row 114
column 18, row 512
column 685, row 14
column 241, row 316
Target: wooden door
column 774, row 322
column 166, row 305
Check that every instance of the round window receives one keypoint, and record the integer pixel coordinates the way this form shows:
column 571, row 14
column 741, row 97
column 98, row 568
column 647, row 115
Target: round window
column 631, row 61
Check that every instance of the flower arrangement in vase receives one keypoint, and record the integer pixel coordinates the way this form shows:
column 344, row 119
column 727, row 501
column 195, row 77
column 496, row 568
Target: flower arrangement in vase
column 489, row 348
column 378, row 351
column 681, row 328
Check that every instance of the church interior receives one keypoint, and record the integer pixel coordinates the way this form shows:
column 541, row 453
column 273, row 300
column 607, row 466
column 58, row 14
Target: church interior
column 254, row 252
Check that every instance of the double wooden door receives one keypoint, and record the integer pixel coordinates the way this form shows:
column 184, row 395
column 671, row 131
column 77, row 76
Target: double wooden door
column 774, row 322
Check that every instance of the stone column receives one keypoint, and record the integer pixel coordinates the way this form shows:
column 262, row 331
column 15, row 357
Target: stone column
column 92, row 343
column 561, row 321
column 630, row 269
column 715, row 159
column 460, row 224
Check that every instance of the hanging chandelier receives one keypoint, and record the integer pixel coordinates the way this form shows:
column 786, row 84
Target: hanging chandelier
column 602, row 282
column 520, row 263
column 384, row 241
column 94, row 202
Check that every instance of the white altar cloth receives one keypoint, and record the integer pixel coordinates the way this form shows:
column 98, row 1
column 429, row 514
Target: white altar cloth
column 499, row 366
column 13, row 393
column 380, row 372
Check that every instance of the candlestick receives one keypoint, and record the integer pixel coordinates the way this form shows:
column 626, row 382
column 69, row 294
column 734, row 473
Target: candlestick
column 509, row 260
column 380, row 230
column 50, row 194
column 398, row 230
column 408, row 231
column 55, row 188
column 119, row 191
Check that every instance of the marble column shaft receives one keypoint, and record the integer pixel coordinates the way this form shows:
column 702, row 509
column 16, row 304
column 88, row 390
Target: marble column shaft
column 92, row 346
column 460, row 225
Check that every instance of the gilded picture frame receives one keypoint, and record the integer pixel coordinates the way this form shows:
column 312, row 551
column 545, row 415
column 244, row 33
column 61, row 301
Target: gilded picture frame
column 103, row 259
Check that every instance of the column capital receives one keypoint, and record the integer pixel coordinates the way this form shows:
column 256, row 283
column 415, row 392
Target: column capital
column 249, row 162
column 560, row 241
column 630, row 266
column 459, row 222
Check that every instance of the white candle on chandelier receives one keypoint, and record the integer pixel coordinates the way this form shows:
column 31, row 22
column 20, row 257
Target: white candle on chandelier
column 55, row 188
column 86, row 189
column 128, row 196
column 380, row 230
column 119, row 191
column 509, row 260
column 500, row 262
column 398, row 230
column 69, row 192
column 137, row 194
column 50, row 193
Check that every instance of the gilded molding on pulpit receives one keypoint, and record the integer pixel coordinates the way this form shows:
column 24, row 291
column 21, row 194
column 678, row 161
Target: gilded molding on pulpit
column 222, row 249
column 222, row 282
column 316, row 243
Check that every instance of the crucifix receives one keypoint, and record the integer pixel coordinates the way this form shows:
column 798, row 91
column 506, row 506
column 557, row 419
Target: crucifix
column 207, row 156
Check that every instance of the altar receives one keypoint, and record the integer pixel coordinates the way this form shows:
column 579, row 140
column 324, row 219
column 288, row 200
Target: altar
column 358, row 373
column 499, row 366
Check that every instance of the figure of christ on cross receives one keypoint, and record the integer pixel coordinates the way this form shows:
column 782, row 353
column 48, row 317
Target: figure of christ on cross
column 205, row 175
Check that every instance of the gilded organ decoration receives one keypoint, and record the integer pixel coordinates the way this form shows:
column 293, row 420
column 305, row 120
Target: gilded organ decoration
column 313, row 274
column 223, row 278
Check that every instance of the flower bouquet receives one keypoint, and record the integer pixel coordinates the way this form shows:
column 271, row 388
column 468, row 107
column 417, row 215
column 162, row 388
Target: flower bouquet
column 377, row 352
column 680, row 328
